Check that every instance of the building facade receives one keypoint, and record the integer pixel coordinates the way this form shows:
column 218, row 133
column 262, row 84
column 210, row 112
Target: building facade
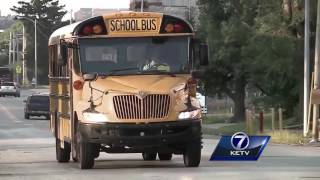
column 186, row 9
column 85, row 13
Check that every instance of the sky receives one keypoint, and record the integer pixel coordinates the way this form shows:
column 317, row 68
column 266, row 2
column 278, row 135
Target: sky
column 71, row 4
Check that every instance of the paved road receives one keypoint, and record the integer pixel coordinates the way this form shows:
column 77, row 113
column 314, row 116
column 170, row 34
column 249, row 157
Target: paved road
column 27, row 151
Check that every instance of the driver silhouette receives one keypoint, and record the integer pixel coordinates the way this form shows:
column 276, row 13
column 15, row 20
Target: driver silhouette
column 156, row 61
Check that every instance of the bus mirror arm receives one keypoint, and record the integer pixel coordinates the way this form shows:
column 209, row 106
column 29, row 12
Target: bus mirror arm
column 91, row 101
column 92, row 106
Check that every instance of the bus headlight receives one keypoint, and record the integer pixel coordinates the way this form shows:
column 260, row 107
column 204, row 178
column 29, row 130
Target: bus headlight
column 190, row 114
column 94, row 117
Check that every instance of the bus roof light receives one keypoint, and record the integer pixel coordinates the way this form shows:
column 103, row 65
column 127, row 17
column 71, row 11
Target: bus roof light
column 91, row 27
column 97, row 29
column 169, row 28
column 171, row 24
column 87, row 30
column 179, row 28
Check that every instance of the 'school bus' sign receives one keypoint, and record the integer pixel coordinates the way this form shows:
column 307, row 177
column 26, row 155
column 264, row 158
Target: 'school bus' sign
column 133, row 24
column 120, row 25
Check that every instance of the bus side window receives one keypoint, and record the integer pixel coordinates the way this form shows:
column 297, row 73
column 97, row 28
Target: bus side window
column 53, row 60
column 59, row 71
column 76, row 62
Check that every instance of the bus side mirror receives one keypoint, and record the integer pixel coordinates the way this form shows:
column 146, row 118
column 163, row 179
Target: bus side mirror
column 201, row 53
column 198, row 74
column 90, row 77
column 204, row 54
column 63, row 59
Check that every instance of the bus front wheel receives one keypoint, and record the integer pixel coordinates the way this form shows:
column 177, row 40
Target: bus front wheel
column 86, row 155
column 62, row 154
column 192, row 154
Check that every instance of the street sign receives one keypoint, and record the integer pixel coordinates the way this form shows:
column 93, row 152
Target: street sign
column 18, row 69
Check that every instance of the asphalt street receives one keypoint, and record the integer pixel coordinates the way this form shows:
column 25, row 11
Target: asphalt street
column 27, row 151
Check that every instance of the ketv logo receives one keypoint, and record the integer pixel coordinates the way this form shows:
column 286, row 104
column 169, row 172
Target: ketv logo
column 240, row 146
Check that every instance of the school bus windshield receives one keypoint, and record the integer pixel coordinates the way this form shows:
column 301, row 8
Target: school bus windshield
column 127, row 56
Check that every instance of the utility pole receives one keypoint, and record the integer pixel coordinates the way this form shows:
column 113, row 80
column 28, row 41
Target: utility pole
column 18, row 61
column 35, row 53
column 142, row 4
column 316, row 85
column 24, row 56
column 10, row 48
column 306, row 85
column 14, row 53
column 71, row 16
column 189, row 9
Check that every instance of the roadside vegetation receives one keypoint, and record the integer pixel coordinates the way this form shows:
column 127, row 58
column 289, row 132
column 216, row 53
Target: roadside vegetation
column 287, row 136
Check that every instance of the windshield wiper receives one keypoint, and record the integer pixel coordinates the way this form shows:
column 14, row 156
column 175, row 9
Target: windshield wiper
column 158, row 72
column 118, row 70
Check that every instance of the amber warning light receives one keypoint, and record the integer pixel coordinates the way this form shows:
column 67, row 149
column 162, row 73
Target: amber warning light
column 95, row 26
column 77, row 85
column 172, row 24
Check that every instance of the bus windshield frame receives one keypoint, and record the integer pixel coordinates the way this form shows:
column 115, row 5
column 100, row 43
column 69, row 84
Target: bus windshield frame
column 135, row 56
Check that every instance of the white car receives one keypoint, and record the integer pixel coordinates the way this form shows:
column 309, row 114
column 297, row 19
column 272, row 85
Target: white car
column 9, row 89
column 202, row 100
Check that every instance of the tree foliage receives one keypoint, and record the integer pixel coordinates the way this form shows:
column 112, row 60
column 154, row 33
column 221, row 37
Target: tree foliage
column 15, row 28
column 254, row 44
column 49, row 14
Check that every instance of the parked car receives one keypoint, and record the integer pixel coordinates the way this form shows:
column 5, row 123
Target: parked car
column 37, row 105
column 9, row 89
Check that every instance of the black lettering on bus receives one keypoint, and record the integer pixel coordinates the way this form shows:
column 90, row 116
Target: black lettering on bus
column 128, row 25
column 112, row 25
column 122, row 25
column 149, row 25
column 143, row 25
column 137, row 27
column 133, row 25
column 117, row 25
column 154, row 25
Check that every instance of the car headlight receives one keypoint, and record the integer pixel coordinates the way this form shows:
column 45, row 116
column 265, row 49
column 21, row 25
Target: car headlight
column 189, row 114
column 92, row 117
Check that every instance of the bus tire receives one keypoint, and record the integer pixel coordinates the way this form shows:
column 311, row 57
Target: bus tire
column 96, row 151
column 192, row 154
column 62, row 155
column 86, row 155
column 26, row 116
column 149, row 156
column 165, row 156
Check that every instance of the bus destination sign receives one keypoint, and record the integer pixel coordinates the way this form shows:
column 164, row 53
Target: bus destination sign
column 133, row 25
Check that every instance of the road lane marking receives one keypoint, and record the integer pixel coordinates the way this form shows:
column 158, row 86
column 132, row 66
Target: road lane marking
column 9, row 114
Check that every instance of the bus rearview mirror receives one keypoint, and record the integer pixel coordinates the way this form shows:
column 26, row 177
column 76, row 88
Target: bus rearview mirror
column 90, row 77
column 198, row 74
column 204, row 54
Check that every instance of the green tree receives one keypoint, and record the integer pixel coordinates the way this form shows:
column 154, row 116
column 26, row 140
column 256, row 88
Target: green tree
column 15, row 28
column 49, row 16
column 254, row 44
column 228, row 27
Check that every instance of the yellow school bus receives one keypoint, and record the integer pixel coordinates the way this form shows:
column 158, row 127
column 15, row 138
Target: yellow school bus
column 125, row 83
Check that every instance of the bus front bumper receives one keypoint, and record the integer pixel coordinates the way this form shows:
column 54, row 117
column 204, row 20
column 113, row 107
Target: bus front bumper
column 175, row 134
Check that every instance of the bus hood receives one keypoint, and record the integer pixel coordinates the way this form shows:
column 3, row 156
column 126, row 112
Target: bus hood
column 134, row 84
column 138, row 86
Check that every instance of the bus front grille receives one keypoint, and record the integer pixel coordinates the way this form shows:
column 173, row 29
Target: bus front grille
column 153, row 106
